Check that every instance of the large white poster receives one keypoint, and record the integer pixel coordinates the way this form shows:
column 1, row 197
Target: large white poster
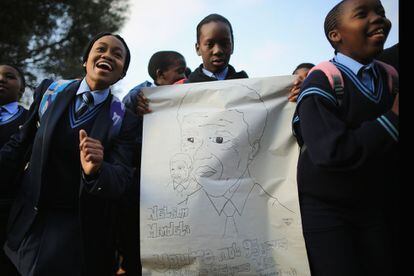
column 218, row 180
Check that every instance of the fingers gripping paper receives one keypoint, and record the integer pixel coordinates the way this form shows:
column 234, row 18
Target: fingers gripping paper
column 218, row 180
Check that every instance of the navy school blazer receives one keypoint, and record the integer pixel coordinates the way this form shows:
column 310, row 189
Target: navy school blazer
column 95, row 201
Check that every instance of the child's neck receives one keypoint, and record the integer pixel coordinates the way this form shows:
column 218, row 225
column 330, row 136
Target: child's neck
column 363, row 61
column 96, row 85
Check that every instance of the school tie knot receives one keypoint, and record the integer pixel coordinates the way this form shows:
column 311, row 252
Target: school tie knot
column 368, row 77
column 86, row 100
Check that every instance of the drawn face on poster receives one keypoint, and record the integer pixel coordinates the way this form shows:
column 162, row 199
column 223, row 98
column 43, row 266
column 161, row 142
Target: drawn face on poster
column 180, row 167
column 221, row 144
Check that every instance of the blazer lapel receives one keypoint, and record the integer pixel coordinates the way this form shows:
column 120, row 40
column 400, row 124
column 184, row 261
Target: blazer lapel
column 103, row 123
column 100, row 128
column 52, row 116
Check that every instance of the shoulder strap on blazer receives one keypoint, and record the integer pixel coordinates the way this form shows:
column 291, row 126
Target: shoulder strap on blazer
column 334, row 77
column 117, row 113
column 50, row 94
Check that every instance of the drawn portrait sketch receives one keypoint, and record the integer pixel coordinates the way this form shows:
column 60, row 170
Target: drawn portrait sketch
column 218, row 148
column 218, row 189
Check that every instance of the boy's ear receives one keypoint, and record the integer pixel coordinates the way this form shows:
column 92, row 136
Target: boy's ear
column 334, row 36
column 159, row 74
column 197, row 48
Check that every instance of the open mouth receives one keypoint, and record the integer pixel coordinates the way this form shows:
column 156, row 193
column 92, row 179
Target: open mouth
column 377, row 32
column 105, row 66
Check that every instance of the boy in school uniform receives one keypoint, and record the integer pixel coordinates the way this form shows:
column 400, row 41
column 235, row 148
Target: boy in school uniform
column 348, row 147
column 165, row 68
column 215, row 45
column 12, row 116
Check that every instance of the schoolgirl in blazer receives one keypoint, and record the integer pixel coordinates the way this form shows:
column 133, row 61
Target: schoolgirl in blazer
column 60, row 223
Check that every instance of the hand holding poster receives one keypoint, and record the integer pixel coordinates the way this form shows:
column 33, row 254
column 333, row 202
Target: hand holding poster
column 218, row 180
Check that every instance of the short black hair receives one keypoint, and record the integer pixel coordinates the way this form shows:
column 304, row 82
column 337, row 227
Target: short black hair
column 187, row 71
column 331, row 20
column 21, row 76
column 306, row 65
column 162, row 60
column 214, row 17
column 98, row 36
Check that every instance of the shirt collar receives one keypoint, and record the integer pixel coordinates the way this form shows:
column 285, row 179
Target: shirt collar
column 220, row 75
column 237, row 194
column 11, row 108
column 98, row 95
column 352, row 64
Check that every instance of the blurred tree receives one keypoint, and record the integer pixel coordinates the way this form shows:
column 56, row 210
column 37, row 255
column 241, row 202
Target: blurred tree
column 47, row 37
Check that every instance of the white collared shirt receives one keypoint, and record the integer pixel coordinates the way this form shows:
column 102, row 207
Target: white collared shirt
column 352, row 64
column 98, row 95
column 8, row 111
column 220, row 75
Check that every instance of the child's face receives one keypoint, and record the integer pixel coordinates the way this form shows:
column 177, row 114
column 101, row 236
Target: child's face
column 105, row 62
column 362, row 29
column 215, row 46
column 179, row 171
column 10, row 84
column 174, row 73
column 302, row 72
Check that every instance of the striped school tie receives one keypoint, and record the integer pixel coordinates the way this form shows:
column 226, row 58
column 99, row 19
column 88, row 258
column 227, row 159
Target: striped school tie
column 368, row 77
column 86, row 103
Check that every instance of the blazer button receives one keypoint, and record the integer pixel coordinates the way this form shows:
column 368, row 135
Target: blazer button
column 99, row 188
column 36, row 209
column 21, row 126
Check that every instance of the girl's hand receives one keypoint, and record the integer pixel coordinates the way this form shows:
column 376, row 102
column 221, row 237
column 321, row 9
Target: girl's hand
column 91, row 153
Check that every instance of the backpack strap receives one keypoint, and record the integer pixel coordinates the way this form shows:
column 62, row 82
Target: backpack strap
column 334, row 77
column 50, row 94
column 392, row 76
column 117, row 113
column 336, row 82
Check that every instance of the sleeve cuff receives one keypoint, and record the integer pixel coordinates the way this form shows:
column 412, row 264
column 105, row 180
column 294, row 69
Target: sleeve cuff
column 389, row 121
column 90, row 179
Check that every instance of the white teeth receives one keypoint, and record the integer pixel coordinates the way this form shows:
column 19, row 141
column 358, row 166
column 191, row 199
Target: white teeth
column 379, row 31
column 106, row 64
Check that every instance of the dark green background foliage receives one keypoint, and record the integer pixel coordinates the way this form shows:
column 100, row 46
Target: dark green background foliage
column 47, row 38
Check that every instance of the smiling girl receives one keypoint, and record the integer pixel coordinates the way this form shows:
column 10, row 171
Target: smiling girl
column 78, row 166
